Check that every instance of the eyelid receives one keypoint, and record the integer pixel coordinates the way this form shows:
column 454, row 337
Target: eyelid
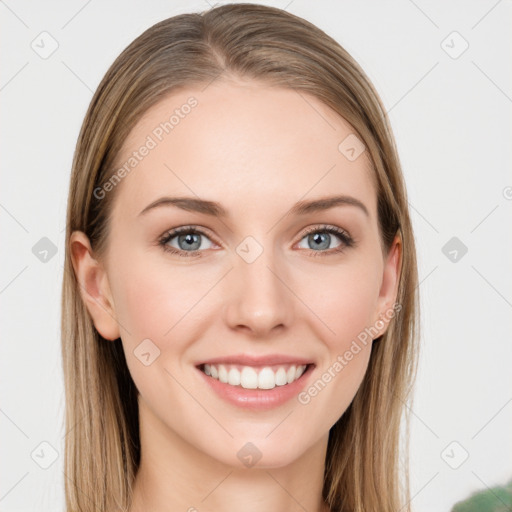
column 325, row 227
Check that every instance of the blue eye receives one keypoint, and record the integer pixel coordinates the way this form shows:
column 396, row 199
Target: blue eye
column 320, row 238
column 189, row 243
column 186, row 238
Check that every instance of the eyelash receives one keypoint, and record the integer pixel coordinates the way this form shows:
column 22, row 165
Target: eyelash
column 346, row 239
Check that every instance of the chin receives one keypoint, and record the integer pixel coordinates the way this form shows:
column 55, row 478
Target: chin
column 261, row 453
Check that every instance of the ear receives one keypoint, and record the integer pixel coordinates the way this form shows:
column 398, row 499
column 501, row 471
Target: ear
column 94, row 286
column 386, row 302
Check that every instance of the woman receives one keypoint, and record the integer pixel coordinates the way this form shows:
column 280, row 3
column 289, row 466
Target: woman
column 240, row 302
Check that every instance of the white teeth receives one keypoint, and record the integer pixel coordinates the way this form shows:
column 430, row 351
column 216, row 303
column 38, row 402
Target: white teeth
column 234, row 377
column 223, row 373
column 266, row 379
column 281, row 377
column 249, row 378
column 290, row 374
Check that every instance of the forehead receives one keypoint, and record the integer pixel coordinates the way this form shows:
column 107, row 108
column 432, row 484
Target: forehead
column 246, row 146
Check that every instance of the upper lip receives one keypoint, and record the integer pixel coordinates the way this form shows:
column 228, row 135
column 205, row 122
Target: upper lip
column 257, row 360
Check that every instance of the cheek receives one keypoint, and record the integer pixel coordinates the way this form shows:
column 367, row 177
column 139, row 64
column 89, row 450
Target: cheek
column 155, row 307
column 346, row 311
column 151, row 298
column 344, row 299
column 160, row 308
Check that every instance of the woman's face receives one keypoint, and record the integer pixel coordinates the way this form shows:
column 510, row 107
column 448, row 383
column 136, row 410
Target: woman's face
column 263, row 280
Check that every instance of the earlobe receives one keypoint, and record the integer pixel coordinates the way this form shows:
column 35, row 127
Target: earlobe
column 94, row 286
column 389, row 287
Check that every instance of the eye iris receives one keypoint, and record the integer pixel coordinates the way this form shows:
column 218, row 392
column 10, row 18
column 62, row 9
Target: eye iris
column 316, row 237
column 189, row 240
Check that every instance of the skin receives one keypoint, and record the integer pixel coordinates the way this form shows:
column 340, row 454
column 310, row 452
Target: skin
column 256, row 150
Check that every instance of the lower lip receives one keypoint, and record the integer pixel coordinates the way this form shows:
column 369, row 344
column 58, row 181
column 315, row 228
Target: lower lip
column 258, row 399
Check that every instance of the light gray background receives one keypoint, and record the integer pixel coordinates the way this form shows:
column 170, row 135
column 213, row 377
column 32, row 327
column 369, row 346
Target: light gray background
column 451, row 118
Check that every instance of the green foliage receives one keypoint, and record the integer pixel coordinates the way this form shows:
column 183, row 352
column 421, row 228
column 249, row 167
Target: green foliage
column 497, row 499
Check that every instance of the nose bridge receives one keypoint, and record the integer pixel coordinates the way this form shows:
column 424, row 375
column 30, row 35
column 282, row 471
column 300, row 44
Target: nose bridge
column 261, row 301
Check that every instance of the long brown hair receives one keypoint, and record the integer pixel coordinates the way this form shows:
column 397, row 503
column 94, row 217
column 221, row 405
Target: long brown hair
column 364, row 470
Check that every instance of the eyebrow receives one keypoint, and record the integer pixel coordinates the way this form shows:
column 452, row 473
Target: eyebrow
column 213, row 208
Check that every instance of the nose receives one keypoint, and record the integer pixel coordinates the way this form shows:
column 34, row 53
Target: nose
column 259, row 300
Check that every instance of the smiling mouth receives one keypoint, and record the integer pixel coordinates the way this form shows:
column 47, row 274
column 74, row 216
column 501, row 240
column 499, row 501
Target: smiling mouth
column 253, row 377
